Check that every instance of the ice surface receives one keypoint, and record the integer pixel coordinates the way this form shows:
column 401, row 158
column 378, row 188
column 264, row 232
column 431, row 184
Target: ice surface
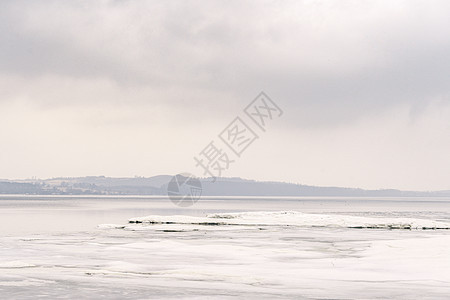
column 250, row 255
column 294, row 218
column 15, row 264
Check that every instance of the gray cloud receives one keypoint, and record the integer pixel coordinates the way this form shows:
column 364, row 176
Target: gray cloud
column 326, row 63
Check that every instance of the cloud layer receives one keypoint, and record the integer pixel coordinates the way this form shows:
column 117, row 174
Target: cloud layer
column 140, row 87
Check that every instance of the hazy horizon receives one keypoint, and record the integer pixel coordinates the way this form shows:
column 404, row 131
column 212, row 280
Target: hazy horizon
column 209, row 178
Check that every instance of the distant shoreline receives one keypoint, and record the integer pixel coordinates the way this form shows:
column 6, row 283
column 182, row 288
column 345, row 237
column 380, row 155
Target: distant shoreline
column 157, row 186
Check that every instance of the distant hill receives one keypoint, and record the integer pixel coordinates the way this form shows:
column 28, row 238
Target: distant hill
column 157, row 185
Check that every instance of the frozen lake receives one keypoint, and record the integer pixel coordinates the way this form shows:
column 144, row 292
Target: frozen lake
column 53, row 247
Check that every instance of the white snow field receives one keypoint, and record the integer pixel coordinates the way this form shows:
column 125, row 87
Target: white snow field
column 362, row 253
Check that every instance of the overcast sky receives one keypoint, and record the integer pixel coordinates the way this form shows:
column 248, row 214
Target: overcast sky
column 125, row 88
